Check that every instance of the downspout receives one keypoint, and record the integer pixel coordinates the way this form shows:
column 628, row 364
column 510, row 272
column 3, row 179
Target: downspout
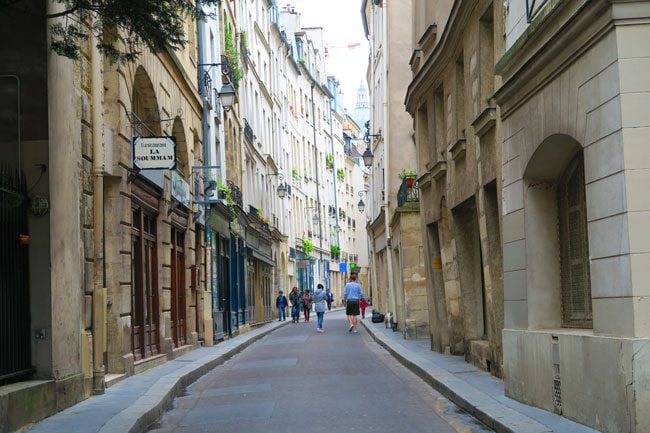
column 206, row 162
column 320, row 217
column 98, row 169
column 336, row 204
column 204, row 122
column 387, row 143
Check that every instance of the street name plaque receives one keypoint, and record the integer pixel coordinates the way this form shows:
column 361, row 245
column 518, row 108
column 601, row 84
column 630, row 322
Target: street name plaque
column 154, row 153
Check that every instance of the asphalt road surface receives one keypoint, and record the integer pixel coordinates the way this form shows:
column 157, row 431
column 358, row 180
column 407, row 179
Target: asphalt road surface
column 296, row 380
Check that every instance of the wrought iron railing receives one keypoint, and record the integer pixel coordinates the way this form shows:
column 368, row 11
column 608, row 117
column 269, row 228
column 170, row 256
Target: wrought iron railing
column 236, row 194
column 248, row 131
column 408, row 192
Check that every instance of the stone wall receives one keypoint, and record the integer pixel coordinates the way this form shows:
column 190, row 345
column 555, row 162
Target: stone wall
column 458, row 138
column 586, row 100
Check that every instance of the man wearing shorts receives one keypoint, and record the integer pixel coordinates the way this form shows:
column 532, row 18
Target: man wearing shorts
column 353, row 293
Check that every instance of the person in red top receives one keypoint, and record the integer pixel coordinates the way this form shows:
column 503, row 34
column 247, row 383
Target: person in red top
column 362, row 305
column 307, row 300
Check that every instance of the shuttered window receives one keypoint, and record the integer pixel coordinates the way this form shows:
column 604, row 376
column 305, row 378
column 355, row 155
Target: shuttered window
column 574, row 250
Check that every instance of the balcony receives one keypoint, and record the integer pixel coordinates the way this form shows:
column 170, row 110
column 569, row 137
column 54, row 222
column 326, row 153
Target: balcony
column 248, row 132
column 408, row 193
column 236, row 194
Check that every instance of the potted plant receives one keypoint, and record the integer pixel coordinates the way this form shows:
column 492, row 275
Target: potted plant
column 295, row 173
column 335, row 250
column 340, row 175
column 307, row 246
column 225, row 193
column 409, row 176
column 329, row 161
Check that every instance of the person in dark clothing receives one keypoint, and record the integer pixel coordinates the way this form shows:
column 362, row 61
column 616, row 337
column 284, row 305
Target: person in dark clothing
column 329, row 298
column 294, row 297
column 307, row 300
column 281, row 303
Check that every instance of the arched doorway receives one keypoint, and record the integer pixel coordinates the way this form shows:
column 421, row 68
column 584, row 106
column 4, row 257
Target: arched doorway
column 559, row 283
column 145, row 315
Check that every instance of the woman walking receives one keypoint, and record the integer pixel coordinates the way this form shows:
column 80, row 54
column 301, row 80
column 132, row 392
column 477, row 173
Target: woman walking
column 307, row 300
column 320, row 303
column 294, row 297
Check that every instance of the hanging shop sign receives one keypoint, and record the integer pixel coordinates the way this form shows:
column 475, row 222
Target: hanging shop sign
column 180, row 189
column 154, row 153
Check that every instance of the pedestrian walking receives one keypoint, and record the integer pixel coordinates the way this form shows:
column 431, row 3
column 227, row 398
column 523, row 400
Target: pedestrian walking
column 281, row 303
column 294, row 297
column 320, row 300
column 329, row 298
column 362, row 306
column 351, row 297
column 307, row 300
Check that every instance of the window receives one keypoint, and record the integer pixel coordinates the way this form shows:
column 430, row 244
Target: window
column 574, row 250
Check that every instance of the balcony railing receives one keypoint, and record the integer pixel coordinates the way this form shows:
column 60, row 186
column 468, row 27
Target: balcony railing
column 408, row 192
column 248, row 131
column 236, row 194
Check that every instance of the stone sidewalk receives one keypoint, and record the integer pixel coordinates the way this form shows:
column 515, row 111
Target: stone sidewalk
column 133, row 404
column 477, row 392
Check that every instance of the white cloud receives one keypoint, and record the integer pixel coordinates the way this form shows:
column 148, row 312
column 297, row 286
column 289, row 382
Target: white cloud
column 342, row 29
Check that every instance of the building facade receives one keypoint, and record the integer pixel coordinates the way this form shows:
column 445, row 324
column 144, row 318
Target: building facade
column 112, row 257
column 575, row 123
column 398, row 273
column 458, row 136
column 115, row 269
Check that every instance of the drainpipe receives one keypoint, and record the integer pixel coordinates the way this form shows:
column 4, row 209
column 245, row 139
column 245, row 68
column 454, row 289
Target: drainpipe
column 204, row 122
column 387, row 143
column 206, row 161
column 99, row 289
column 336, row 204
column 320, row 217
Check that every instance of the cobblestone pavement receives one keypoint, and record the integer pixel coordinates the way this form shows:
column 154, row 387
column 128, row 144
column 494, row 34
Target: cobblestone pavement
column 296, row 380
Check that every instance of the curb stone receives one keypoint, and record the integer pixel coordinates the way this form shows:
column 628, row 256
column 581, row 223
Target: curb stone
column 147, row 409
column 483, row 407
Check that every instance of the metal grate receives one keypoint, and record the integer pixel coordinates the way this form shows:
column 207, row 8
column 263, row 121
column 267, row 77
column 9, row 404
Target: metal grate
column 557, row 387
column 15, row 351
column 574, row 250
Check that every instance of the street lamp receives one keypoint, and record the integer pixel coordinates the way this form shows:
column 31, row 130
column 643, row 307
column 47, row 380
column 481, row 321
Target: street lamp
column 227, row 95
column 316, row 217
column 361, row 205
column 282, row 189
column 367, row 157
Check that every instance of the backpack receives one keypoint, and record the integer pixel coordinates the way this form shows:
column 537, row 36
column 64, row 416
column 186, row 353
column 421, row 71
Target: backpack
column 377, row 317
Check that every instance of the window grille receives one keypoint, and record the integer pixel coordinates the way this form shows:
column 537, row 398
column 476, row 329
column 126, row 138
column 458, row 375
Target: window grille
column 574, row 250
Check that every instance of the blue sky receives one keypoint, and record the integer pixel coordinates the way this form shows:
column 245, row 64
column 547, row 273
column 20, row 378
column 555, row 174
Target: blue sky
column 342, row 27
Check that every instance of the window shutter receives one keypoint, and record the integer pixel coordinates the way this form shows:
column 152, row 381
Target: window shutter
column 574, row 250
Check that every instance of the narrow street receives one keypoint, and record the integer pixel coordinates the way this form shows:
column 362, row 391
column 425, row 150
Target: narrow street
column 295, row 380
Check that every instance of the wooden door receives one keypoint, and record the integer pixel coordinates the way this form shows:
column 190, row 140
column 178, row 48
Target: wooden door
column 178, row 295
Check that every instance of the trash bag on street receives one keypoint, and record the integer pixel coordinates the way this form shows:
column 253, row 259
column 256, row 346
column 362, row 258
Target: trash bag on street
column 377, row 317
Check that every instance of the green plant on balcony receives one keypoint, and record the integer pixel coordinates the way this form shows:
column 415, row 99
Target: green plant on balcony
column 408, row 176
column 335, row 251
column 342, row 214
column 329, row 161
column 340, row 175
column 307, row 246
column 295, row 173
column 232, row 54
column 225, row 192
